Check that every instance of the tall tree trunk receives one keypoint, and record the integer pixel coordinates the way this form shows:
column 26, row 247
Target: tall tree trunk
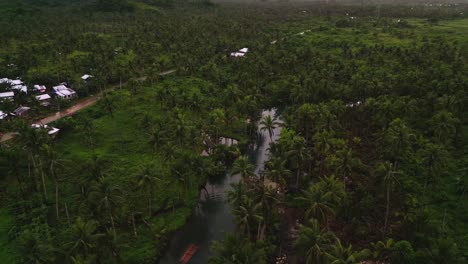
column 387, row 209
column 113, row 225
column 66, row 212
column 56, row 198
column 133, row 225
column 297, row 179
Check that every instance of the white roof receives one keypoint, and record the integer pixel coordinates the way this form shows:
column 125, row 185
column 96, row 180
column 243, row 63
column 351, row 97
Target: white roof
column 86, row 76
column 59, row 88
column 237, row 54
column 39, row 87
column 4, row 80
column 7, row 94
column 51, row 130
column 3, row 114
column 244, row 50
column 16, row 82
column 22, row 88
column 43, row 97
column 65, row 92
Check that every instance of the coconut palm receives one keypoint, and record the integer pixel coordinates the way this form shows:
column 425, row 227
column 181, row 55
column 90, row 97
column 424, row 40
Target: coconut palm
column 322, row 198
column 313, row 242
column 389, row 176
column 346, row 163
column 84, row 237
column 106, row 195
column 51, row 165
column 243, row 166
column 269, row 124
column 276, row 170
column 146, row 179
column 339, row 254
column 247, row 215
column 237, row 249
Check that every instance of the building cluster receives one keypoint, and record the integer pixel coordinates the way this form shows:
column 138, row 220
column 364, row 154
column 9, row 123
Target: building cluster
column 41, row 92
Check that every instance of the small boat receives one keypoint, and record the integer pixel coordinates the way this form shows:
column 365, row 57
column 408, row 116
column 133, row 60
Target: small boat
column 189, row 252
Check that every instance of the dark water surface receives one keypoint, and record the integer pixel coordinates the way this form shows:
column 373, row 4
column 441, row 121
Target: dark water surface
column 213, row 219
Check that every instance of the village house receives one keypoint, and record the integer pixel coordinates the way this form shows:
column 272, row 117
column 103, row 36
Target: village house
column 52, row 131
column 44, row 99
column 21, row 111
column 7, row 96
column 86, row 77
column 3, row 115
column 39, row 88
column 63, row 92
column 240, row 53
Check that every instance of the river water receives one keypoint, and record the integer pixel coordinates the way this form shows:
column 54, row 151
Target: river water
column 212, row 219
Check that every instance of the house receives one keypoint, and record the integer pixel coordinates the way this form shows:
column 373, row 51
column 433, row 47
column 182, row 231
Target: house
column 86, row 77
column 21, row 111
column 39, row 88
column 240, row 53
column 52, row 131
column 63, row 92
column 21, row 88
column 237, row 54
column 3, row 115
column 7, row 96
column 44, row 99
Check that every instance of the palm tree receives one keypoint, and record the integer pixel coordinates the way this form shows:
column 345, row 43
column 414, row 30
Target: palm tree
column 444, row 125
column 106, row 194
column 51, row 165
column 276, row 170
column 313, row 243
column 398, row 138
column 32, row 139
column 298, row 153
column 387, row 172
column 238, row 249
column 84, row 237
column 247, row 214
column 322, row 198
column 243, row 166
column 269, row 124
column 146, row 179
column 339, row 254
column 266, row 198
column 237, row 194
column 346, row 163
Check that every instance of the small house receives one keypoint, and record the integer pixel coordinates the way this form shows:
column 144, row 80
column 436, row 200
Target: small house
column 240, row 53
column 64, row 92
column 7, row 96
column 44, row 99
column 52, row 131
column 237, row 54
column 86, row 77
column 3, row 115
column 39, row 88
column 21, row 111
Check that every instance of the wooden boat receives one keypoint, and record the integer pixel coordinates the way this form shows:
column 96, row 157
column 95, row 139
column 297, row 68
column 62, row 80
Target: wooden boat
column 189, row 252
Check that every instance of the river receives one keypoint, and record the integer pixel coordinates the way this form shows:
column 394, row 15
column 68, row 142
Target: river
column 212, row 219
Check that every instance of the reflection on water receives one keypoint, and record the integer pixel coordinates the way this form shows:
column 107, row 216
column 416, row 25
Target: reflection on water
column 212, row 218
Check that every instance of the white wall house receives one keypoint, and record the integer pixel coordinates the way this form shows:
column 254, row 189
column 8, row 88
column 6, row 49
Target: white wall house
column 44, row 99
column 7, row 96
column 64, row 92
